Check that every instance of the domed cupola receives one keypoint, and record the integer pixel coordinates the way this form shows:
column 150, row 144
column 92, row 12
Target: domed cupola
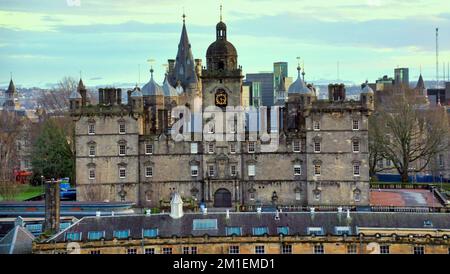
column 299, row 86
column 136, row 92
column 221, row 55
column 168, row 90
column 152, row 88
column 366, row 88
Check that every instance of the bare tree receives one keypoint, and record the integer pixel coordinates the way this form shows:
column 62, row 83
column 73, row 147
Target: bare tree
column 10, row 131
column 407, row 132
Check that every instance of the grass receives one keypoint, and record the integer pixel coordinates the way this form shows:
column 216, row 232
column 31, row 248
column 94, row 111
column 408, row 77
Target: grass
column 26, row 192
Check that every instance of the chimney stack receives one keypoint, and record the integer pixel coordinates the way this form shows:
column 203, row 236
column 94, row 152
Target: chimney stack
column 52, row 207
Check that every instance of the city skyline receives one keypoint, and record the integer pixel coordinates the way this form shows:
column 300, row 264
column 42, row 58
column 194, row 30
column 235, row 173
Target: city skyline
column 47, row 40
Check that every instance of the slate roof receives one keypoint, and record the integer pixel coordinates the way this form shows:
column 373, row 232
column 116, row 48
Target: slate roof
column 18, row 241
column 298, row 222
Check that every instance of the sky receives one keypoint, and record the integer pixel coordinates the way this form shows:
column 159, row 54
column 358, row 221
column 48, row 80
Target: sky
column 110, row 41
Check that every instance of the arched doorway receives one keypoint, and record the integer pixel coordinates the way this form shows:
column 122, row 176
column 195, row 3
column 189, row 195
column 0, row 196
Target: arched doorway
column 222, row 198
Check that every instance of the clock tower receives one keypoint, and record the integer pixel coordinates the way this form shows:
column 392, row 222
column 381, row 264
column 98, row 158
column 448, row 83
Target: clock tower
column 222, row 78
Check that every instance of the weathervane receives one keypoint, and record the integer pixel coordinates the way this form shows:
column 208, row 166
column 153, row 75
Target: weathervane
column 151, row 62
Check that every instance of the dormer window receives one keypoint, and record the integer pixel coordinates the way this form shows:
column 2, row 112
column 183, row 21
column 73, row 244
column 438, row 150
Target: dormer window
column 122, row 128
column 91, row 129
column 355, row 124
column 296, row 146
column 316, row 125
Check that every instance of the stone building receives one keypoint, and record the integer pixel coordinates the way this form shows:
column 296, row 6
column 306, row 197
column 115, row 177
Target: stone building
column 341, row 232
column 125, row 151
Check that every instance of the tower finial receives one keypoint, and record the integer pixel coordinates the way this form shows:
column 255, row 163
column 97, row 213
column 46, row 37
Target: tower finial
column 10, row 74
column 151, row 61
column 303, row 73
column 298, row 66
column 184, row 16
column 221, row 13
column 80, row 75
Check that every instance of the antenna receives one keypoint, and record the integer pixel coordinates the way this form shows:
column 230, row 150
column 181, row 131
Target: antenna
column 437, row 57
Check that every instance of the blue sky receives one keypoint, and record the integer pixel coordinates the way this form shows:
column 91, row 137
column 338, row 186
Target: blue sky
column 42, row 41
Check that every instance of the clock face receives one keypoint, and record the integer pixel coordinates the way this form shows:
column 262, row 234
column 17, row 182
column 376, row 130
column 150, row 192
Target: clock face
column 221, row 98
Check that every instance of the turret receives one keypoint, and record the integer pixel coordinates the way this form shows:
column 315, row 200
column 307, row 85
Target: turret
column 137, row 100
column 336, row 92
column 83, row 92
column 367, row 96
column 75, row 100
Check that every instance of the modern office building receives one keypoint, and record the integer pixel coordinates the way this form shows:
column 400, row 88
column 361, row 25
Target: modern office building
column 266, row 80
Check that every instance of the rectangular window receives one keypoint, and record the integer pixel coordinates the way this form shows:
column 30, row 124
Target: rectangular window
column 211, row 171
column 122, row 172
column 355, row 124
column 233, row 230
column 419, row 250
column 167, row 250
column 251, row 147
column 259, row 231
column 122, row 150
column 283, row 230
column 92, row 151
column 73, row 236
column 121, row 234
column 259, row 249
column 251, row 170
column 194, row 148
column 316, row 146
column 194, row 250
column 91, row 174
column 233, row 170
column 351, row 249
column 232, row 148
column 388, row 162
column 318, row 249
column 355, row 146
column 185, row 249
column 204, row 224
column 317, row 170
column 95, row 235
column 149, row 251
column 148, row 171
column 356, row 170
column 210, row 148
column 297, row 170
column 296, row 146
column 148, row 149
column 150, row 233
column 194, row 171
column 122, row 128
column 384, row 249
column 316, row 125
column 441, row 160
column 233, row 249
column 91, row 129
column 286, row 249
column 131, row 251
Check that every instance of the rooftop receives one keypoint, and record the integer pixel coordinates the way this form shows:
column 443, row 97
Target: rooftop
column 248, row 223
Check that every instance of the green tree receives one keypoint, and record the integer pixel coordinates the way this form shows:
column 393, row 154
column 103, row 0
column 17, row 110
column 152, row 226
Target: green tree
column 52, row 156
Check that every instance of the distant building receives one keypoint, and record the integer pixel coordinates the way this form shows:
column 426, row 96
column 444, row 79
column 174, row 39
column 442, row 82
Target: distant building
column 266, row 84
column 384, row 83
column 401, row 77
column 251, row 94
column 440, row 95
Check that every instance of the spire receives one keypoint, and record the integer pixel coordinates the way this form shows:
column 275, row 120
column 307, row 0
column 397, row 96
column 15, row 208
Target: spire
column 11, row 88
column 303, row 73
column 420, row 83
column 184, row 70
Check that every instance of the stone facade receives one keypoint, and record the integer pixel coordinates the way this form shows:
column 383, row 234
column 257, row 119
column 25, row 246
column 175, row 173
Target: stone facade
column 125, row 152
